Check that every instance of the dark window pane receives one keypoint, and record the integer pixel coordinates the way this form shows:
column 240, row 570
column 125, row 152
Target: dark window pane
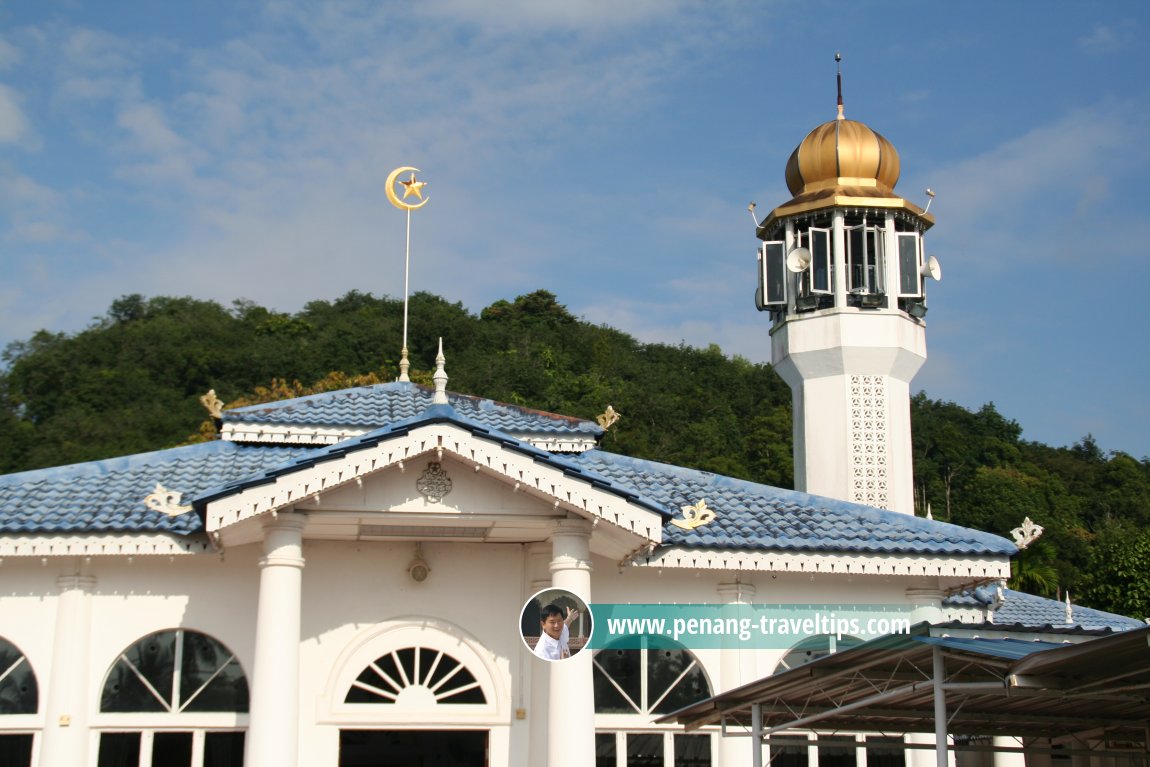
column 608, row 700
column 474, row 695
column 836, row 751
column 123, row 691
column 885, row 752
column 203, row 657
column 172, row 749
column 604, row 749
column 623, row 667
column 645, row 749
column 663, row 669
column 443, row 668
column 856, row 263
column 224, row 749
column 18, row 692
column 821, row 260
column 788, row 751
column 692, row 751
column 461, row 679
column 155, row 658
column 359, row 695
column 909, row 279
column 227, row 691
column 692, row 688
column 119, row 749
column 16, row 750
column 776, row 274
column 389, row 667
column 407, row 660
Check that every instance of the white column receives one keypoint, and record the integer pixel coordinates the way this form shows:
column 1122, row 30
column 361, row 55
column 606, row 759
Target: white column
column 735, row 667
column 65, row 739
column 273, row 732
column 926, row 605
column 571, row 713
column 538, row 578
column 839, row 259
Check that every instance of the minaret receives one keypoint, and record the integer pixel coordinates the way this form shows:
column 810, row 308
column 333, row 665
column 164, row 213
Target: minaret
column 841, row 271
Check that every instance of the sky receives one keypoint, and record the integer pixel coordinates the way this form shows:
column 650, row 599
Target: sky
column 606, row 151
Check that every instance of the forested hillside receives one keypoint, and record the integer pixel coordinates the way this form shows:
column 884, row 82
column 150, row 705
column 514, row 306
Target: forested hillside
column 131, row 382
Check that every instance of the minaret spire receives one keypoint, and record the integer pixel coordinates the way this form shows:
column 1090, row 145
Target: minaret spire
column 839, row 77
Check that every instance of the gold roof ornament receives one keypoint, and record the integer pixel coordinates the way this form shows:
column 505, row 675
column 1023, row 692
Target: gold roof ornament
column 695, row 516
column 166, row 501
column 214, row 405
column 608, row 418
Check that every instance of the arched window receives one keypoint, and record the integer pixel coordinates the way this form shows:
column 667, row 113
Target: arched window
column 813, row 648
column 642, row 685
column 177, row 693
column 18, row 691
column 18, row 695
column 416, row 676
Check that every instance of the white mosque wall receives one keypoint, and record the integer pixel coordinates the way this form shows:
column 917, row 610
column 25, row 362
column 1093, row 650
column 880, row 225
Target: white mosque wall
column 359, row 603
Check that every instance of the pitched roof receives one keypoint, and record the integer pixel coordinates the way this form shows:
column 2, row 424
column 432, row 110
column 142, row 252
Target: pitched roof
column 108, row 495
column 1021, row 609
column 432, row 415
column 758, row 517
column 381, row 404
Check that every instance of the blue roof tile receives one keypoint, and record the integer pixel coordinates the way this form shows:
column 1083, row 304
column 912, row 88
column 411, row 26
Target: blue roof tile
column 758, row 517
column 1022, row 609
column 382, row 404
column 433, row 414
column 108, row 496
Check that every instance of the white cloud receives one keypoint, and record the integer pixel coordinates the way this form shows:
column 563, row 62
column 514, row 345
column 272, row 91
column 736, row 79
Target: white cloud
column 1043, row 193
column 1108, row 38
column 13, row 124
column 9, row 54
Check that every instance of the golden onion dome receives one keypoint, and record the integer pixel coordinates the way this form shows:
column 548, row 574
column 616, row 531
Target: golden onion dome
column 842, row 153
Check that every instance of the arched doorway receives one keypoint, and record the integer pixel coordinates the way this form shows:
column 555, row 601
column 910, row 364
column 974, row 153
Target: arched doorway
column 416, row 692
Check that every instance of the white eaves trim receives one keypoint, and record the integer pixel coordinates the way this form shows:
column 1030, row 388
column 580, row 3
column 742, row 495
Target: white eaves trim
column 108, row 545
column 522, row 471
column 809, row 562
column 309, row 434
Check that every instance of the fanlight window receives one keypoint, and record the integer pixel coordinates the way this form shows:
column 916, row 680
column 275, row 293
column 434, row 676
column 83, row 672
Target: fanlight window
column 647, row 681
column 416, row 676
column 18, row 691
column 175, row 671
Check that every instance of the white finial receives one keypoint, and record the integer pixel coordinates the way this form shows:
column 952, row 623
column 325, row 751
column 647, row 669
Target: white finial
column 1069, row 608
column 440, row 378
column 928, row 514
column 403, row 365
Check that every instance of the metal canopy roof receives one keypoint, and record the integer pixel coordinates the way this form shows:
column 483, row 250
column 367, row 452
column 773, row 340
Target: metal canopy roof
column 992, row 686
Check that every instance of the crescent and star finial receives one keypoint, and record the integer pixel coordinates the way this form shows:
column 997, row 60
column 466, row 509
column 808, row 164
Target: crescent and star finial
column 411, row 188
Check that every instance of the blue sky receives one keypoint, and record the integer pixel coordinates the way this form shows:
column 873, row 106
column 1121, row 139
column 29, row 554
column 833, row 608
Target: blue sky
column 603, row 150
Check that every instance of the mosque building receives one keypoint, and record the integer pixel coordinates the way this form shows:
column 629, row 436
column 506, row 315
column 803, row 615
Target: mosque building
column 340, row 579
